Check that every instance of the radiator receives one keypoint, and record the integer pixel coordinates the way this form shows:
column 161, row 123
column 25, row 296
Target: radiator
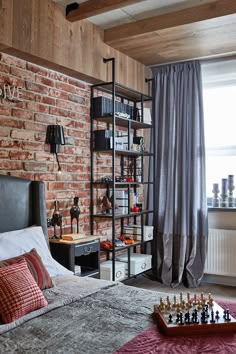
column 221, row 255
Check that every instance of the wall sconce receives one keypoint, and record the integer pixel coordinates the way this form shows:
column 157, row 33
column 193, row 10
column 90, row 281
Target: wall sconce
column 55, row 137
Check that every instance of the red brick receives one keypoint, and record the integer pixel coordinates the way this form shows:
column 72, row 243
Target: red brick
column 9, row 60
column 31, row 86
column 82, row 125
column 44, row 118
column 5, row 111
column 4, row 154
column 10, row 80
column 58, row 112
column 10, row 144
column 83, row 93
column 35, row 166
column 34, row 127
column 76, row 99
column 58, row 76
column 13, row 123
column 45, row 99
column 65, row 104
column 37, row 69
column 9, row 104
column 22, row 113
column 32, row 146
column 23, row 74
column 58, row 94
column 45, row 81
column 75, row 168
column 65, row 87
column 22, row 135
column 44, row 177
column 66, row 122
column 10, row 165
column 76, row 133
column 37, row 107
column 21, row 155
column 22, row 175
column 27, row 95
column 76, row 83
column 43, row 156
column 5, row 132
column 4, row 68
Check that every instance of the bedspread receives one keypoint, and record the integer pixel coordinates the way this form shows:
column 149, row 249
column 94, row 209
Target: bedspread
column 84, row 316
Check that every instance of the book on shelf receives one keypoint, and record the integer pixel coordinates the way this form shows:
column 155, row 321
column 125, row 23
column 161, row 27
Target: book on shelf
column 73, row 237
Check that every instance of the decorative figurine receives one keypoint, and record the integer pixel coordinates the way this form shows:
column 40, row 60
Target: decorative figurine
column 57, row 219
column 74, row 213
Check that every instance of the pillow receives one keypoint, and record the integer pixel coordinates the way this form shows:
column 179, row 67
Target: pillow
column 15, row 243
column 19, row 293
column 36, row 267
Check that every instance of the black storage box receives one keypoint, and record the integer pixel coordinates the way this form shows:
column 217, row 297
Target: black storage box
column 102, row 139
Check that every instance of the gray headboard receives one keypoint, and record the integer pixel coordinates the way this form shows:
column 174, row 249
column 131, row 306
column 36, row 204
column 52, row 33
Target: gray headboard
column 22, row 204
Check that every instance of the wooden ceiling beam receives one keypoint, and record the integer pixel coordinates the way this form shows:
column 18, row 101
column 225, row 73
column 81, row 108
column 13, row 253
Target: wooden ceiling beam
column 194, row 14
column 96, row 7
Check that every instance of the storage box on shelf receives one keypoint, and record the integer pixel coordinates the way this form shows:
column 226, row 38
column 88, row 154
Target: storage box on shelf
column 136, row 231
column 138, row 262
column 106, row 271
column 127, row 149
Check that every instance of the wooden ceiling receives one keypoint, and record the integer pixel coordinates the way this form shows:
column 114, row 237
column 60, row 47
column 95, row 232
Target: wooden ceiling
column 206, row 29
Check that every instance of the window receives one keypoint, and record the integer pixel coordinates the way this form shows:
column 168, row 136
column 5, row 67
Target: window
column 219, row 98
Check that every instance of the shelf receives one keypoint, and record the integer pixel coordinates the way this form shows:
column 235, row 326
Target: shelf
column 121, row 216
column 121, row 184
column 123, row 91
column 124, row 152
column 123, row 122
column 139, row 243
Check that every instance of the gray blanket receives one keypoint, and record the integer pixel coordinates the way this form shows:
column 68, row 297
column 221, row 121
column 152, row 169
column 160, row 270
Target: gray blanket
column 84, row 316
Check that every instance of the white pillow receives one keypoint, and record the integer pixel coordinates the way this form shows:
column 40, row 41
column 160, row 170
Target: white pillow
column 15, row 243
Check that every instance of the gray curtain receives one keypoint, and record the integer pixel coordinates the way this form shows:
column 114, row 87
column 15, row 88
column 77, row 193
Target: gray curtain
column 180, row 214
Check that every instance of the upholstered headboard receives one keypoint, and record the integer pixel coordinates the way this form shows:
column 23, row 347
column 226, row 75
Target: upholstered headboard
column 22, row 204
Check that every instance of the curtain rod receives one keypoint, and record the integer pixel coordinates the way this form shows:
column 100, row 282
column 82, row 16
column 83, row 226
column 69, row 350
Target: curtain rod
column 216, row 57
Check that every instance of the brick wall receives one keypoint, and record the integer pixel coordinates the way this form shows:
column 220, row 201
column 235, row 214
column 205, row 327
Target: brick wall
column 48, row 97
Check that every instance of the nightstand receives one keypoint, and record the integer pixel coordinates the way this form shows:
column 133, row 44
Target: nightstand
column 81, row 256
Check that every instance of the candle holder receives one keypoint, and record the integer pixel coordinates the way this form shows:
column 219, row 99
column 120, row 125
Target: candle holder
column 231, row 200
column 216, row 198
column 224, row 195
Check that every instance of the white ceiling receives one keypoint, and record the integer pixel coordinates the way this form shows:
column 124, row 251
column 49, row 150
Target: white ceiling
column 141, row 10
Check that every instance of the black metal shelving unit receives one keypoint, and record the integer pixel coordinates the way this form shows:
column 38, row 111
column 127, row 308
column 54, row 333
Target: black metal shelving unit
column 113, row 121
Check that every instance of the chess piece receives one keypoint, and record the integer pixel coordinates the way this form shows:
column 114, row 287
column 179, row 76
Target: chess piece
column 174, row 305
column 57, row 219
column 195, row 300
column 212, row 320
column 74, row 214
column 226, row 315
column 217, row 315
column 187, row 317
column 170, row 318
column 210, row 300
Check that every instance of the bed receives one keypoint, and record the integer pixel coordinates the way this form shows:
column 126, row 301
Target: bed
column 83, row 315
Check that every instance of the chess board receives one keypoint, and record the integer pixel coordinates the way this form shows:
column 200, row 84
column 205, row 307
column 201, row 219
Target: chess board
column 193, row 317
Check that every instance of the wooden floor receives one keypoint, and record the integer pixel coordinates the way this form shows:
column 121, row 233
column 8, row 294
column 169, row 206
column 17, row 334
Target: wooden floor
column 217, row 291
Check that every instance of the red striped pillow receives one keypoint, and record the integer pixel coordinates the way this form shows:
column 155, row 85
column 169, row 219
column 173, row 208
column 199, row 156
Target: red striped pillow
column 35, row 265
column 19, row 293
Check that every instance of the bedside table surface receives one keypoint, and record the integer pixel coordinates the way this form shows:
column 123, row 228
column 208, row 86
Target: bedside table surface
column 81, row 240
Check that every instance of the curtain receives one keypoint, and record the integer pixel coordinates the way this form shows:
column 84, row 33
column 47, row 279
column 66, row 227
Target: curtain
column 180, row 213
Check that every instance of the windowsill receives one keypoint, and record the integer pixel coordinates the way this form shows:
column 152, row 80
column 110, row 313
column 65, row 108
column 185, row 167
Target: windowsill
column 233, row 209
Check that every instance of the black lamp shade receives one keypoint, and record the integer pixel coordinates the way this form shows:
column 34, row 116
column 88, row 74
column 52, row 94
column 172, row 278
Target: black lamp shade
column 55, row 137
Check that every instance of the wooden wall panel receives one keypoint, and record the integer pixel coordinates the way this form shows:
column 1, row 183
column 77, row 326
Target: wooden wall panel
column 37, row 30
